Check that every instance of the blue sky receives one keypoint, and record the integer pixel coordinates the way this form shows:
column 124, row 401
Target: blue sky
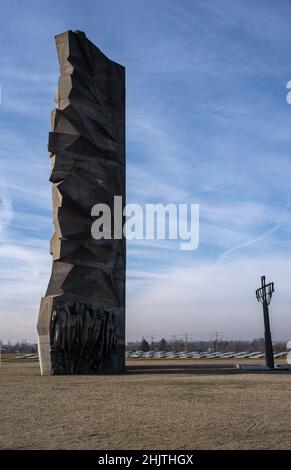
column 207, row 123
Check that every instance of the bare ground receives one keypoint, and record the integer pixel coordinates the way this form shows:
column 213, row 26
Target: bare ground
column 152, row 408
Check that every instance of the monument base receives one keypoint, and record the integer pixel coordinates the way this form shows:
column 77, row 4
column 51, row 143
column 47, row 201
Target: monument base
column 79, row 338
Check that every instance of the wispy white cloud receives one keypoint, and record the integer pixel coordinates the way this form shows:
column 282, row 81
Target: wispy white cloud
column 24, row 273
column 6, row 212
column 203, row 298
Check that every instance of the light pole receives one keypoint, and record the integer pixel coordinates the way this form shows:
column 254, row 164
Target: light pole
column 216, row 335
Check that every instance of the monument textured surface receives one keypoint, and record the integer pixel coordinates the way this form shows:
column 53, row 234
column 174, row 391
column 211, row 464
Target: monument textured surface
column 81, row 320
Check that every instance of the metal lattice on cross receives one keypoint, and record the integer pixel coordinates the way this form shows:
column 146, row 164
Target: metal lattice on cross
column 265, row 292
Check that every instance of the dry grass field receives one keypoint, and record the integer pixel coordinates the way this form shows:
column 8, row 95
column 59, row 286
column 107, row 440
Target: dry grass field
column 155, row 405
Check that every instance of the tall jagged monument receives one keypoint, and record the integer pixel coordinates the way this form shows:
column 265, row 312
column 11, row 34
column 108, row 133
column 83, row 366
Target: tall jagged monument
column 81, row 323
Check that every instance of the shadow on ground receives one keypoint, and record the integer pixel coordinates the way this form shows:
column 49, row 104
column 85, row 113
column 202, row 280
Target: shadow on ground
column 197, row 369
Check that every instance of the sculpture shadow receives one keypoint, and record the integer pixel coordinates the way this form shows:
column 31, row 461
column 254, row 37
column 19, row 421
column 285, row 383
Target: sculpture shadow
column 190, row 369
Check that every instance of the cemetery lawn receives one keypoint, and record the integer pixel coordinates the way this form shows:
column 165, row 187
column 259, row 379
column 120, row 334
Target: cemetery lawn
column 192, row 405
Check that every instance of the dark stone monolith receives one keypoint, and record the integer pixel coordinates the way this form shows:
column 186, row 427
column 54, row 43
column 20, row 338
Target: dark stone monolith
column 81, row 320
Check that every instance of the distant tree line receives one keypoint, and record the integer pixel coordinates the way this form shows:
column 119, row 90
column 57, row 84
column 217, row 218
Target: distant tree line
column 256, row 344
column 19, row 347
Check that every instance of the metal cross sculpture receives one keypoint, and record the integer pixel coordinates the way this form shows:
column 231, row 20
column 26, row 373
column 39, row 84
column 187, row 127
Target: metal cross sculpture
column 264, row 295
